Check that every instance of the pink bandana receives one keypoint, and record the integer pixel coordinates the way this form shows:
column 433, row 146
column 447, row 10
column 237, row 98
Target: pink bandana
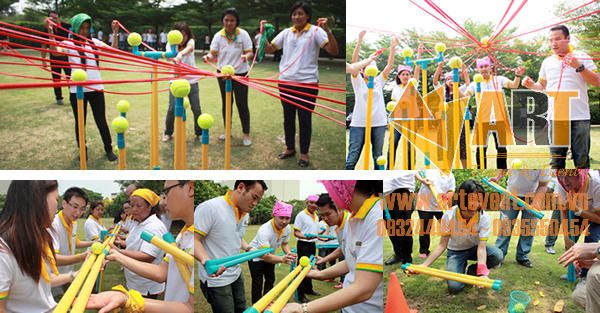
column 340, row 191
column 282, row 209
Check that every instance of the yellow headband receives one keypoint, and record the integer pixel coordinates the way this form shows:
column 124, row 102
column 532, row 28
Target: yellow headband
column 147, row 195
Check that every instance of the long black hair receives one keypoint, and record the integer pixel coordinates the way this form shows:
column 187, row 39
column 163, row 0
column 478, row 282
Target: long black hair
column 24, row 221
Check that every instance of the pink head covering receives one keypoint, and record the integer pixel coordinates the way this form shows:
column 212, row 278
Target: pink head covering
column 402, row 67
column 282, row 209
column 448, row 75
column 340, row 191
column 483, row 61
column 581, row 173
column 312, row 198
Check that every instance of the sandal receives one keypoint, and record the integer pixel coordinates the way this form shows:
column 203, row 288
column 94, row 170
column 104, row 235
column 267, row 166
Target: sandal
column 284, row 155
column 303, row 163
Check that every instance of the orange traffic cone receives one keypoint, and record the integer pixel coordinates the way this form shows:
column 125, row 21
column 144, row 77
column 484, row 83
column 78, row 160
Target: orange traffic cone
column 396, row 303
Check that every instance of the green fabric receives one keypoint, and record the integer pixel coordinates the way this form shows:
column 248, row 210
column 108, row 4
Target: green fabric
column 268, row 31
column 78, row 20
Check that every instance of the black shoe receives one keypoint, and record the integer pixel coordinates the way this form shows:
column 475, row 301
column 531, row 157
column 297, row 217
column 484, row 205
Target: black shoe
column 313, row 293
column 284, row 155
column 394, row 259
column 525, row 263
column 303, row 163
column 110, row 155
column 303, row 299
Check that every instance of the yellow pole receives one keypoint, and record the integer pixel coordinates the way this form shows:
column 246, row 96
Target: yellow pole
column 122, row 158
column 367, row 151
column 288, row 292
column 261, row 304
column 427, row 151
column 455, row 103
column 482, row 140
column 392, row 146
column 463, row 278
column 204, row 157
column 81, row 134
column 228, row 90
column 154, row 164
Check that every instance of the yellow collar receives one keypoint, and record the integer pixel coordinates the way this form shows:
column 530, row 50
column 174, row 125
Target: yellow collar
column 474, row 219
column 313, row 216
column 225, row 34
column 365, row 208
column 96, row 219
column 238, row 215
column 279, row 232
column 50, row 257
column 342, row 223
column 571, row 49
column 305, row 29
column 184, row 229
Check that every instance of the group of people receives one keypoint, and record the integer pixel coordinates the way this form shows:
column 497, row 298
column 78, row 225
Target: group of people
column 465, row 225
column 232, row 45
column 37, row 266
column 352, row 208
column 578, row 72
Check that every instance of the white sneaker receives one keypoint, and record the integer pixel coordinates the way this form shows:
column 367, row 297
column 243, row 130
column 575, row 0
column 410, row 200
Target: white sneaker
column 222, row 137
column 166, row 138
column 246, row 142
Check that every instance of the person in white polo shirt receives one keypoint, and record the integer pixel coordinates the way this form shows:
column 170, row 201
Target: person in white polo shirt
column 307, row 222
column 93, row 224
column 301, row 45
column 217, row 224
column 179, row 291
column 530, row 186
column 399, row 195
column 337, row 219
column 465, row 231
column 233, row 46
column 428, row 206
column 273, row 234
column 363, row 286
column 144, row 206
column 568, row 70
column 27, row 264
column 379, row 119
column 64, row 233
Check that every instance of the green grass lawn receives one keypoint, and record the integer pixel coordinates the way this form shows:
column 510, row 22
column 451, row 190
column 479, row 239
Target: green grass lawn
column 35, row 133
column 281, row 270
column 536, row 162
column 430, row 295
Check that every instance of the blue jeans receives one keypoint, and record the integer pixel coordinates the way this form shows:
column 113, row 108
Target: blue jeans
column 457, row 263
column 357, row 141
column 580, row 146
column 397, row 136
column 525, row 242
column 551, row 237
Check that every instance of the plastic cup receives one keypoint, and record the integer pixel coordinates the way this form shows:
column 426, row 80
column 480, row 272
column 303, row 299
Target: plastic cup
column 517, row 297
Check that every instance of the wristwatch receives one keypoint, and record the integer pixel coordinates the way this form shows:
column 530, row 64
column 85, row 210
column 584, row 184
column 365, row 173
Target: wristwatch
column 580, row 68
column 305, row 307
column 598, row 251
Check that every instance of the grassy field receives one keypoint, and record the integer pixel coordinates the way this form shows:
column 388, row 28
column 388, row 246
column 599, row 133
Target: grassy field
column 430, row 295
column 35, row 133
column 536, row 162
column 281, row 270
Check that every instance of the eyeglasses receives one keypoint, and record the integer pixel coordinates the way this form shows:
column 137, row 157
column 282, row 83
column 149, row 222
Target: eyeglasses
column 165, row 192
column 76, row 206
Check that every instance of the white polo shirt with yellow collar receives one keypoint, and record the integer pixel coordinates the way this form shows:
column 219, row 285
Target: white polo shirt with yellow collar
column 229, row 49
column 307, row 223
column 363, row 250
column 299, row 62
column 93, row 227
column 221, row 227
column 465, row 234
column 177, row 289
column 340, row 230
column 64, row 238
column 268, row 236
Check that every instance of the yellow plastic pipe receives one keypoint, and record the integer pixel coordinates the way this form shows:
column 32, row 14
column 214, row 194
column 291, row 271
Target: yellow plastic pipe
column 462, row 278
column 177, row 253
column 425, row 121
column 288, row 292
column 81, row 134
column 367, row 147
column 392, row 131
column 122, row 158
column 205, row 157
column 228, row 110
column 261, row 304
column 154, row 120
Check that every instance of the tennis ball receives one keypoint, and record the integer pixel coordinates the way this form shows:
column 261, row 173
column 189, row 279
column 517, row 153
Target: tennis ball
column 134, row 39
column 120, row 124
column 78, row 75
column 440, row 47
column 407, row 52
column 180, row 88
column 97, row 248
column 519, row 308
column 371, row 71
column 123, row 106
column 381, row 160
column 485, row 40
column 390, row 106
column 186, row 103
column 304, row 261
column 455, row 62
column 174, row 37
column 205, row 121
column 116, row 149
column 228, row 70
column 478, row 78
column 516, row 164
